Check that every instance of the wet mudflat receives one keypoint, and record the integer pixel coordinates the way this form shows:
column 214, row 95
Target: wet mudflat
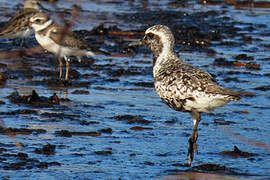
column 107, row 122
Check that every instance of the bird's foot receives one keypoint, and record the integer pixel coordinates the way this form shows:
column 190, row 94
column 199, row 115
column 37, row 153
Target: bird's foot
column 60, row 75
column 192, row 147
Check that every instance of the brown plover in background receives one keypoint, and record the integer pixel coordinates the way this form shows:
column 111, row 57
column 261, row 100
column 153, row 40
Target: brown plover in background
column 18, row 26
column 32, row 4
column 181, row 86
column 58, row 40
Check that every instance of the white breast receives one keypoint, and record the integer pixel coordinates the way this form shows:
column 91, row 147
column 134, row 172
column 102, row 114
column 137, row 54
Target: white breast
column 205, row 102
column 47, row 43
column 56, row 49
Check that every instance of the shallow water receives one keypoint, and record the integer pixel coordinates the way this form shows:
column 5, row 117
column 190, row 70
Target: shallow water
column 122, row 85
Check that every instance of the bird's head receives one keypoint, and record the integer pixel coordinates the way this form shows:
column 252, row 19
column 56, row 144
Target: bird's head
column 40, row 21
column 33, row 4
column 158, row 38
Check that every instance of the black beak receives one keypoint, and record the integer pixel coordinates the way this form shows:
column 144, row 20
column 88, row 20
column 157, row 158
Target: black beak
column 136, row 43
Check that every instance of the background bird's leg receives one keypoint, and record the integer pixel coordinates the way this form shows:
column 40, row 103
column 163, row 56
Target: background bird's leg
column 22, row 44
column 67, row 67
column 79, row 58
column 194, row 136
column 60, row 67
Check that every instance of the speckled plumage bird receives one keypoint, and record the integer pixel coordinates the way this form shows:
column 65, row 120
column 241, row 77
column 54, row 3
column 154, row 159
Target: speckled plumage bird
column 18, row 25
column 181, row 86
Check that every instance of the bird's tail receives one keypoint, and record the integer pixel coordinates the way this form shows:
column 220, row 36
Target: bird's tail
column 97, row 51
column 241, row 93
column 90, row 53
column 235, row 94
column 101, row 52
column 2, row 34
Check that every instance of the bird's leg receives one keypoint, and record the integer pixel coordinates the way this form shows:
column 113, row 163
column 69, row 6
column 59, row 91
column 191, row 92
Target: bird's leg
column 60, row 67
column 22, row 44
column 67, row 67
column 79, row 58
column 194, row 136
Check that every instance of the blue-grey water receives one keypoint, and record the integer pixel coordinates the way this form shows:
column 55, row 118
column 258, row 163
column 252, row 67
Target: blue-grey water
column 150, row 153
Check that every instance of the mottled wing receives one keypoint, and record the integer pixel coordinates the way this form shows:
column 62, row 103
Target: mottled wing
column 22, row 13
column 66, row 38
column 19, row 22
column 210, row 86
column 193, row 78
column 187, row 78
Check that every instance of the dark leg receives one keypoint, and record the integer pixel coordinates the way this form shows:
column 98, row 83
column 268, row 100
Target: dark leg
column 194, row 136
column 22, row 44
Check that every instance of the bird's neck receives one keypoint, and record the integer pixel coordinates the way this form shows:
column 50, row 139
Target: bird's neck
column 165, row 56
column 39, row 28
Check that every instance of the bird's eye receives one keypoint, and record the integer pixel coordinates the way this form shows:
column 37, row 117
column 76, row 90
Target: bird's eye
column 148, row 36
column 38, row 20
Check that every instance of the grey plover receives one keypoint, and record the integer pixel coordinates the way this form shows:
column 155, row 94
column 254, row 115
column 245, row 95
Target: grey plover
column 58, row 40
column 18, row 26
column 181, row 86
